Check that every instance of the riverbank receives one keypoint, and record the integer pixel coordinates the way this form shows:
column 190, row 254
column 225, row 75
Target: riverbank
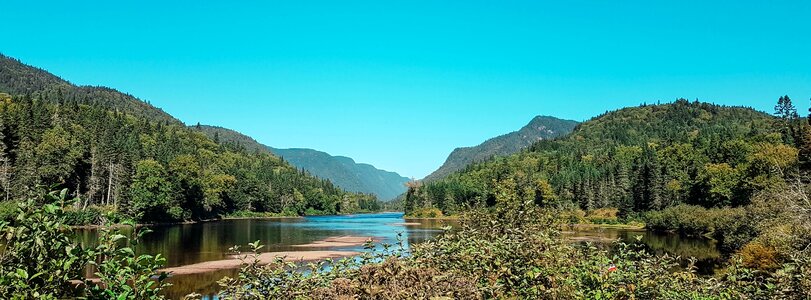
column 236, row 261
column 588, row 226
column 262, row 259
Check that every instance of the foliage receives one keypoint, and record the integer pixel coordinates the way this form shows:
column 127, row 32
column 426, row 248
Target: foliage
column 426, row 213
column 121, row 273
column 8, row 210
column 688, row 167
column 607, row 215
column 523, row 256
column 685, row 219
column 253, row 214
column 149, row 171
column 38, row 259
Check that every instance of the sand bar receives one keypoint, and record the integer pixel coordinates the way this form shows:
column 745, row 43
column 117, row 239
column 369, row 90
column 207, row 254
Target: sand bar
column 264, row 258
column 338, row 241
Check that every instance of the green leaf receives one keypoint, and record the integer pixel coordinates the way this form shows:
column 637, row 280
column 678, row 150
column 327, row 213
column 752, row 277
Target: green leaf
column 22, row 274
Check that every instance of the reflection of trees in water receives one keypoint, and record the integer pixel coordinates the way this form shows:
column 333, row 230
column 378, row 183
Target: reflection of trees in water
column 702, row 249
column 205, row 283
column 428, row 229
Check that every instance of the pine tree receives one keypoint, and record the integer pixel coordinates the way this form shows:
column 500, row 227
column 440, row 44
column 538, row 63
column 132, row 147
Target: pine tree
column 787, row 114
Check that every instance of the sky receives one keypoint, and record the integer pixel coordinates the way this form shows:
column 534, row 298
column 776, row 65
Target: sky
column 400, row 84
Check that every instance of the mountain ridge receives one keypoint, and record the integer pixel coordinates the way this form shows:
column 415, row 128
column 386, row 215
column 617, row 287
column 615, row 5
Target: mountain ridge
column 18, row 78
column 539, row 128
column 344, row 171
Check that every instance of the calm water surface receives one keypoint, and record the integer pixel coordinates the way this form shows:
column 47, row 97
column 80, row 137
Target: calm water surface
column 194, row 243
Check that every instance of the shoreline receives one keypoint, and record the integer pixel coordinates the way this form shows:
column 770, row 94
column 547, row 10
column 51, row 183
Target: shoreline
column 235, row 262
column 139, row 225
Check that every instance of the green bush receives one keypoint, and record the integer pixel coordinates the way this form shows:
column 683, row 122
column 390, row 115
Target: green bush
column 89, row 216
column 39, row 259
column 8, row 209
column 426, row 213
column 683, row 219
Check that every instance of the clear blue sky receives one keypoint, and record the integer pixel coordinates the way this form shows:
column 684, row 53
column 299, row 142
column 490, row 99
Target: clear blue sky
column 399, row 84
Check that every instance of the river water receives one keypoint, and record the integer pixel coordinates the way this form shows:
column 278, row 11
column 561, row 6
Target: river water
column 194, row 243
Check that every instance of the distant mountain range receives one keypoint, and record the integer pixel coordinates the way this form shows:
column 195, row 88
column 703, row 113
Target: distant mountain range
column 342, row 171
column 540, row 128
column 346, row 173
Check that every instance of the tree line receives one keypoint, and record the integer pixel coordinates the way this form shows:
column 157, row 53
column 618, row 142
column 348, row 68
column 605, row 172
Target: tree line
column 148, row 169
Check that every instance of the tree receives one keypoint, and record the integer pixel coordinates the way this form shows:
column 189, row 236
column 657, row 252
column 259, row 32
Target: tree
column 787, row 114
column 57, row 156
column 718, row 182
column 151, row 195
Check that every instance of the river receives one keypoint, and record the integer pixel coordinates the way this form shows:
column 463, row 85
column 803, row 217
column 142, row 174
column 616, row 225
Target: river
column 188, row 244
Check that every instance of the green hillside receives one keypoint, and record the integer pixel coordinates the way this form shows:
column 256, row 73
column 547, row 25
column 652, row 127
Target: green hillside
column 126, row 159
column 342, row 171
column 635, row 159
column 17, row 78
column 540, row 128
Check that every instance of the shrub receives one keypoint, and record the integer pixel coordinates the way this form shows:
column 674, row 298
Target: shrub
column 426, row 213
column 603, row 216
column 39, row 260
column 573, row 216
column 514, row 251
column 683, row 219
column 89, row 216
column 8, row 209
column 757, row 256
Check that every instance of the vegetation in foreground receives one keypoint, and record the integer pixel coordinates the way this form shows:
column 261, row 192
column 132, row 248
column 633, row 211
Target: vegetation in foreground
column 513, row 250
column 39, row 260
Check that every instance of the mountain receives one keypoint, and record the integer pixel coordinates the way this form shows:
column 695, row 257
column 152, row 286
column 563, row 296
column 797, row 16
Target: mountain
column 17, row 78
column 346, row 173
column 635, row 159
column 342, row 171
column 126, row 159
column 540, row 128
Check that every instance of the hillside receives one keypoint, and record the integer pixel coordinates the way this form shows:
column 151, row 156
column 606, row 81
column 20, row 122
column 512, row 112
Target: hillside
column 346, row 173
column 342, row 171
column 635, row 159
column 540, row 128
column 17, row 78
column 128, row 160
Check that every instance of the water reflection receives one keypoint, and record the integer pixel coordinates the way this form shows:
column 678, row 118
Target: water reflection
column 704, row 250
column 194, row 243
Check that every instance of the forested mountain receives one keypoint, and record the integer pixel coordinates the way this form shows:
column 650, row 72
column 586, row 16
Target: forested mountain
column 540, row 128
column 125, row 157
column 346, row 173
column 342, row 171
column 17, row 78
column 635, row 159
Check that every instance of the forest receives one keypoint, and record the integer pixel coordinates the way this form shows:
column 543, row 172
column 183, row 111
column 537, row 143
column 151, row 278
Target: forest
column 127, row 160
column 639, row 159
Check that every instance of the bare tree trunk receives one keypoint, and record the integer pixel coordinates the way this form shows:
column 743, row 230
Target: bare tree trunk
column 109, row 184
column 93, row 185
